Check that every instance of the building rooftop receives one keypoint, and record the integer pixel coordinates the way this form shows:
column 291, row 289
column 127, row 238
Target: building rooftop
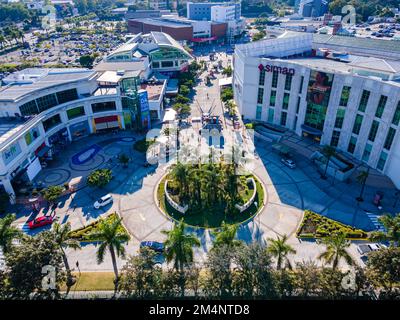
column 22, row 83
column 377, row 44
column 162, row 22
column 154, row 90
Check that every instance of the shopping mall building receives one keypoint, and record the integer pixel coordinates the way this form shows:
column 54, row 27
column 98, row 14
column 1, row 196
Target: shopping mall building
column 42, row 109
column 338, row 98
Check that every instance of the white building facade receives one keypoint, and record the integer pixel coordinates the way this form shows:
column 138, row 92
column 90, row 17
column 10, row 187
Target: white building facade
column 349, row 102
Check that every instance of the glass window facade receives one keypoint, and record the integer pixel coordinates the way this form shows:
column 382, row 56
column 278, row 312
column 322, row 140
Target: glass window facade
column 367, row 152
column 285, row 103
column 381, row 106
column 344, row 97
column 352, row 145
column 262, row 77
column 288, row 82
column 272, row 98
column 29, row 108
column 275, row 76
column 357, row 124
column 339, row 118
column 396, row 115
column 103, row 106
column 260, row 95
column 301, row 84
column 389, row 138
column 271, row 113
column 51, row 122
column 258, row 112
column 67, row 95
column 46, row 102
column 75, row 112
column 335, row 138
column 373, row 131
column 283, row 118
column 364, row 100
column 382, row 161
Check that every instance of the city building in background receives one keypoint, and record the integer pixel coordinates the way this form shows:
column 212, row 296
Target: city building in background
column 313, row 8
column 328, row 88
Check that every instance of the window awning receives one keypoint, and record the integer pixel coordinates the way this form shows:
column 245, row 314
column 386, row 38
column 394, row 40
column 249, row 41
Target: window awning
column 311, row 130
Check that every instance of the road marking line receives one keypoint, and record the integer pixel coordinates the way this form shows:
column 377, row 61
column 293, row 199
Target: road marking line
column 142, row 217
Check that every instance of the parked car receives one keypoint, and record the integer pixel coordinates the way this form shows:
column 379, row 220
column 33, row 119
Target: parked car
column 154, row 245
column 103, row 201
column 40, row 222
column 364, row 249
column 289, row 163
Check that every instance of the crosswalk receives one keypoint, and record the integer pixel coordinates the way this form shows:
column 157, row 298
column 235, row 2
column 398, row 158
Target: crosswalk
column 375, row 220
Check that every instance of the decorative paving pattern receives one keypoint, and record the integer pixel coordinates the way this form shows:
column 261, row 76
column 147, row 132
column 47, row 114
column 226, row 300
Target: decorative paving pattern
column 93, row 163
column 55, row 176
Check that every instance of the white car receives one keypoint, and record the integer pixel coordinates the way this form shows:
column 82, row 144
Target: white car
column 289, row 163
column 364, row 249
column 103, row 201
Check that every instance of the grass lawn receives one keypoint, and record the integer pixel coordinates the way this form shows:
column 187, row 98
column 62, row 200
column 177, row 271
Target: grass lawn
column 143, row 145
column 93, row 281
column 211, row 218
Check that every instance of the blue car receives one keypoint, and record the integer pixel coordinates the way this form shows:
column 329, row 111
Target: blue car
column 154, row 245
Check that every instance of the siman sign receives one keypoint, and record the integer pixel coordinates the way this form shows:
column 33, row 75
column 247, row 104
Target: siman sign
column 282, row 70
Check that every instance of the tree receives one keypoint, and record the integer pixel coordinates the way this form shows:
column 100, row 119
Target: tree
column 86, row 61
column 30, row 261
column 226, row 94
column 180, row 174
column 227, row 71
column 112, row 238
column 52, row 193
column 362, row 179
column 383, row 269
column 141, row 277
column 392, row 230
column 99, row 178
column 336, row 249
column 306, row 280
column 328, row 152
column 182, row 109
column 8, row 233
column 179, row 248
column 181, row 99
column 279, row 249
column 123, row 159
column 259, row 35
column 226, row 235
column 63, row 239
column 184, row 90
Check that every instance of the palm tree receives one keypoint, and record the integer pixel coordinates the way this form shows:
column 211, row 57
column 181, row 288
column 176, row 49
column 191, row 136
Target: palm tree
column 63, row 239
column 328, row 152
column 111, row 238
column 392, row 232
column 8, row 233
column 180, row 173
column 279, row 249
column 226, row 235
column 2, row 41
column 336, row 246
column 179, row 248
column 362, row 179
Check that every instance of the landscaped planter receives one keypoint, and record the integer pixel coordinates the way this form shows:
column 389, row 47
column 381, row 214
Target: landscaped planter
column 247, row 205
column 172, row 203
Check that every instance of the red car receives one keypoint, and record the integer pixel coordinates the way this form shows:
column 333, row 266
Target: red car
column 40, row 222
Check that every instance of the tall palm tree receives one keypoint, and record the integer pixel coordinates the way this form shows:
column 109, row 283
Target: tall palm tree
column 328, row 152
column 392, row 232
column 362, row 179
column 63, row 239
column 279, row 249
column 8, row 233
column 112, row 238
column 180, row 173
column 179, row 248
column 336, row 249
column 226, row 235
